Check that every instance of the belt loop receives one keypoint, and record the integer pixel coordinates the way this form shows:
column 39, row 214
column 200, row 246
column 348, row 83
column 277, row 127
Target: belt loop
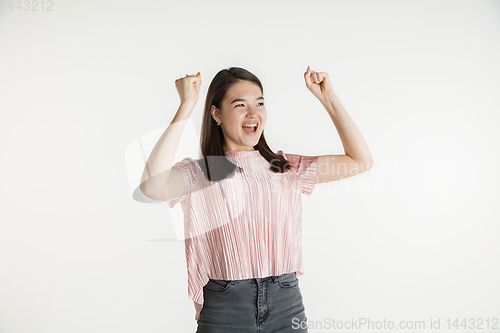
column 275, row 278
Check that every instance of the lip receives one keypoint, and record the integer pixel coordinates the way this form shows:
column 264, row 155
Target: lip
column 256, row 129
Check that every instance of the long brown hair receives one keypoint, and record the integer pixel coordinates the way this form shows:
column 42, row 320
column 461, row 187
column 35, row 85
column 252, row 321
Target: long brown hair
column 215, row 165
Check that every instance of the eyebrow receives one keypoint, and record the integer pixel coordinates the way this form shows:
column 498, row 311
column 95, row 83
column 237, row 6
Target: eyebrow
column 244, row 100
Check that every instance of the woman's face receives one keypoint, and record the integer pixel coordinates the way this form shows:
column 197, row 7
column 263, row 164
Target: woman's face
column 243, row 104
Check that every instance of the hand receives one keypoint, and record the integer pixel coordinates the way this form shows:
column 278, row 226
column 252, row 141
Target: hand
column 188, row 88
column 318, row 83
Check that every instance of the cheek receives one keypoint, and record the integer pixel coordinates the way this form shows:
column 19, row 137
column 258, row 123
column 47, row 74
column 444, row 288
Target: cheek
column 264, row 119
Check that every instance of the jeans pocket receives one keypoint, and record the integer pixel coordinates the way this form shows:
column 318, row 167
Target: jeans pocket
column 218, row 285
column 288, row 280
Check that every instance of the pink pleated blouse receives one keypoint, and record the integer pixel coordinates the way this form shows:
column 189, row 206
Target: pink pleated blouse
column 246, row 226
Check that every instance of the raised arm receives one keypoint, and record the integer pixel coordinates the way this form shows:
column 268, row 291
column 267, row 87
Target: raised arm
column 159, row 181
column 357, row 158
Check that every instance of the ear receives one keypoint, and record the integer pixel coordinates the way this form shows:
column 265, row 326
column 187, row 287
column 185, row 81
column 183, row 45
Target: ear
column 215, row 114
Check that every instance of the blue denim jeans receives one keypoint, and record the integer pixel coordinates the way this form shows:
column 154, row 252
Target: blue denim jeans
column 263, row 305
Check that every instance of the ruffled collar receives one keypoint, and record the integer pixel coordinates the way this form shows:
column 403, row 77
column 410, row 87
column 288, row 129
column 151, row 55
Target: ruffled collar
column 242, row 153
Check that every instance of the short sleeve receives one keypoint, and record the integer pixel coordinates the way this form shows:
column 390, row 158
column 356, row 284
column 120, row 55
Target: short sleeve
column 187, row 168
column 305, row 167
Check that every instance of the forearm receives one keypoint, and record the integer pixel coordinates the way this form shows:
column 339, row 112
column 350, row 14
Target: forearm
column 352, row 140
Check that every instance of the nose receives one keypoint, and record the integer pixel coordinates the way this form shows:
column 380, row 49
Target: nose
column 251, row 113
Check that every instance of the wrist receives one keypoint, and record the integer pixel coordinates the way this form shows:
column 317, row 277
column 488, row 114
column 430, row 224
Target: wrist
column 187, row 106
column 330, row 96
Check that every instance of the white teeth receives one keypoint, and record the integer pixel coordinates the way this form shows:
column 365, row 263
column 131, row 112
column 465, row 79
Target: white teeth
column 250, row 125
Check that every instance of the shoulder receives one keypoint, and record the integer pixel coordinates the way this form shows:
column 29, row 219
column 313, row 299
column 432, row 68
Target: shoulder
column 301, row 163
column 189, row 166
column 292, row 158
column 187, row 162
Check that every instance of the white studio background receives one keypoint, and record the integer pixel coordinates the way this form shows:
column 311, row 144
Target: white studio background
column 414, row 238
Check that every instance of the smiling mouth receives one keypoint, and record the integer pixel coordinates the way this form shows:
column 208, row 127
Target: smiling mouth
column 250, row 129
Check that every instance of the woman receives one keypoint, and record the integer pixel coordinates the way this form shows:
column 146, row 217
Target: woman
column 242, row 202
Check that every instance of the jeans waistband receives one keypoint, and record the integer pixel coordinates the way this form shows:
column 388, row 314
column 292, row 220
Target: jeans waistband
column 274, row 278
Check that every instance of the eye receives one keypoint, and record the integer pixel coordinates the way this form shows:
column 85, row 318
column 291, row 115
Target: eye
column 244, row 105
